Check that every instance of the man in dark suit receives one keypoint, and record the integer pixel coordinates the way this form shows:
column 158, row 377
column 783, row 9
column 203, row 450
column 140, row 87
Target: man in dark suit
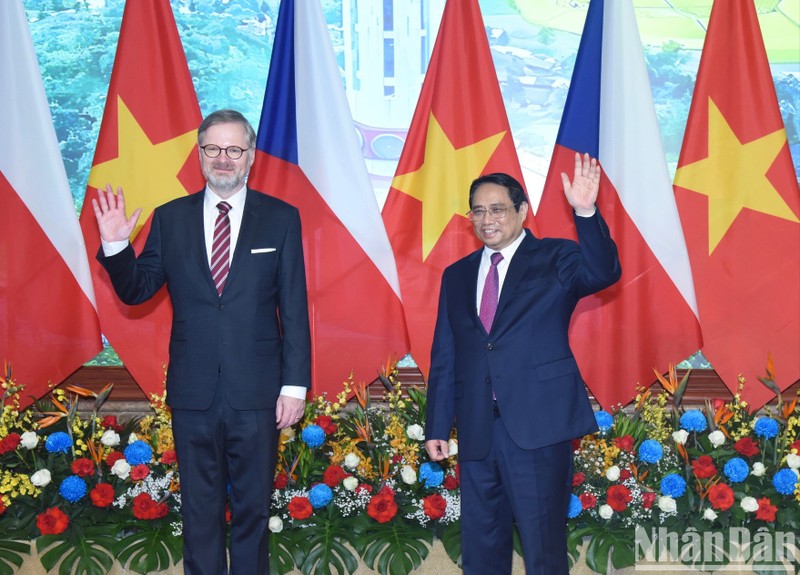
column 502, row 369
column 239, row 352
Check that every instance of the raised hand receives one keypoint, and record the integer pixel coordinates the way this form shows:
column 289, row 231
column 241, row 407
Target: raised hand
column 109, row 209
column 581, row 193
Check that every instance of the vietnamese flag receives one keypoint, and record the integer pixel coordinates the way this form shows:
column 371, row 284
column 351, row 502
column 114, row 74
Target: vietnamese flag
column 459, row 132
column 646, row 320
column 739, row 202
column 146, row 146
column 48, row 319
column 309, row 155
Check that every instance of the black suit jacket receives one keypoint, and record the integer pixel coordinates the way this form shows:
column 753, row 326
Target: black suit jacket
column 255, row 337
column 525, row 359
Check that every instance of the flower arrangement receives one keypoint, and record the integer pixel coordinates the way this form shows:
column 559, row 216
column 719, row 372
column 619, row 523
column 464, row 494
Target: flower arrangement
column 655, row 470
column 353, row 481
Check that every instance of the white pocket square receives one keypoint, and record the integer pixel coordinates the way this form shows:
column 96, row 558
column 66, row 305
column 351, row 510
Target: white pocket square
column 262, row 250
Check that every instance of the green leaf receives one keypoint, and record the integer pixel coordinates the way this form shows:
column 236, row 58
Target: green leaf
column 395, row 548
column 326, row 551
column 11, row 555
column 284, row 552
column 451, row 541
column 616, row 543
column 84, row 552
column 149, row 550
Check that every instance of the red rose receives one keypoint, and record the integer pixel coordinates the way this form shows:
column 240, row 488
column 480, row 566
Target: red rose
column 576, row 444
column 281, row 481
column 333, row 475
column 648, row 498
column 110, row 422
column 382, row 507
column 113, row 457
column 2, row 506
column 300, row 508
column 795, row 446
column 720, row 496
column 144, row 507
column 766, row 510
column 102, row 495
column 618, row 497
column 578, row 479
column 434, row 506
column 704, row 467
column 52, row 522
column 168, row 457
column 139, row 472
column 326, row 423
column 10, row 442
column 364, row 487
column 747, row 447
column 624, row 474
column 83, row 467
column 450, row 482
column 397, row 458
column 588, row 500
column 624, row 443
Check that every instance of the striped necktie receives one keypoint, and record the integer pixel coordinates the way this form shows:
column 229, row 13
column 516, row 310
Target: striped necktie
column 221, row 247
column 491, row 293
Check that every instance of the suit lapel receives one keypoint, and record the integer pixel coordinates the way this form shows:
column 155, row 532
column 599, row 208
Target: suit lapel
column 516, row 271
column 196, row 226
column 247, row 231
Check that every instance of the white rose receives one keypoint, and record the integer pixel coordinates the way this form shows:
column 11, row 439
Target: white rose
column 605, row 511
column 110, row 438
column 41, row 478
column 29, row 440
column 716, row 438
column 709, row 514
column 758, row 469
column 793, row 461
column 415, row 431
column 132, row 437
column 667, row 504
column 749, row 504
column 612, row 473
column 408, row 474
column 452, row 446
column 350, row 483
column 351, row 460
column 121, row 469
column 680, row 436
column 275, row 524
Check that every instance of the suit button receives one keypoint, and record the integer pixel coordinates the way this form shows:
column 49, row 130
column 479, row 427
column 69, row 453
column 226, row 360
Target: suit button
column 488, row 380
column 220, row 306
column 490, row 346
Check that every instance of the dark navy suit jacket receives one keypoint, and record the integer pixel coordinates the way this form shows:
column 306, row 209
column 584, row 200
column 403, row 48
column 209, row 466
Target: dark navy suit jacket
column 525, row 359
column 255, row 337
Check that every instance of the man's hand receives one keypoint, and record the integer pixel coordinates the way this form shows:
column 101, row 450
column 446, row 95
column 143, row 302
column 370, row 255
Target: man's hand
column 437, row 449
column 109, row 209
column 289, row 410
column 582, row 192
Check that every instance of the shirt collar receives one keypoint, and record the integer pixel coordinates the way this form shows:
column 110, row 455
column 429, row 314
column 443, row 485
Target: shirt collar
column 508, row 251
column 236, row 201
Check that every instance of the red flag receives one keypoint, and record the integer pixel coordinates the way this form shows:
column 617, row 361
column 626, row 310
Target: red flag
column 645, row 320
column 48, row 320
column 459, row 132
column 739, row 202
column 147, row 146
column 309, row 156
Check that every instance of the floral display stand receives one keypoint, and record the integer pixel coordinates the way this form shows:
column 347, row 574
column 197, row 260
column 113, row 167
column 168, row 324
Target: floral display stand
column 659, row 485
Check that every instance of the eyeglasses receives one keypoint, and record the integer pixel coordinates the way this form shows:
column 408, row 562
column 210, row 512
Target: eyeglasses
column 497, row 212
column 233, row 152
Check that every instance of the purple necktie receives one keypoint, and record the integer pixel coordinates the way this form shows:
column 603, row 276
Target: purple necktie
column 491, row 292
column 221, row 247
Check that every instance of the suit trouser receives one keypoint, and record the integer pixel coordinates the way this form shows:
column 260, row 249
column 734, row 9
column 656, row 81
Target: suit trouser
column 225, row 453
column 529, row 487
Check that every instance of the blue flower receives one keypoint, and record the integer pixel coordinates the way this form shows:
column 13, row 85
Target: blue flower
column 431, row 474
column 736, row 470
column 72, row 488
column 320, row 495
column 673, row 485
column 785, row 481
column 766, row 427
column 313, row 435
column 138, row 452
column 650, row 451
column 58, row 442
column 694, row 420
column 575, row 506
column 604, row 420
